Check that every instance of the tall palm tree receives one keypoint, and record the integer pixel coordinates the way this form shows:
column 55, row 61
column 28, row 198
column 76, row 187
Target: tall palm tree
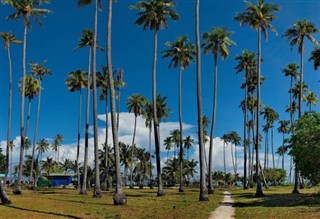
column 148, row 116
column 175, row 137
column 119, row 197
column 311, row 99
column 216, row 42
column 315, row 57
column 87, row 41
column 168, row 145
column 234, row 140
column 182, row 54
column 40, row 72
column 259, row 18
column 247, row 63
column 65, row 165
column 25, row 9
column 43, row 146
column 27, row 145
column 203, row 195
column 102, row 82
column 282, row 150
column 126, row 159
column 11, row 146
column 56, row 145
column 188, row 142
column 118, row 84
column 32, row 88
column 296, row 35
column 75, row 82
column 9, row 38
column 284, row 129
column 226, row 140
column 135, row 104
column 154, row 15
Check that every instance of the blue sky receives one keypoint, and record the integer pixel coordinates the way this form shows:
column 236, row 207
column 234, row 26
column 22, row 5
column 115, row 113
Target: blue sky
column 132, row 50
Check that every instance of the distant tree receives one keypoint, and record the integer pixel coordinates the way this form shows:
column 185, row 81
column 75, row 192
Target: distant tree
column 315, row 57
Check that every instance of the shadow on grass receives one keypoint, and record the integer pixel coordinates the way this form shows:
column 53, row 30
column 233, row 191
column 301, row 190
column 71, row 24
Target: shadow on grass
column 278, row 200
column 80, row 202
column 44, row 212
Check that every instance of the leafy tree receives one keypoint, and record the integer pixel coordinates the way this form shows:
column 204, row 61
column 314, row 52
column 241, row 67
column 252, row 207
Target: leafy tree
column 154, row 15
column 25, row 9
column 259, row 18
column 305, row 146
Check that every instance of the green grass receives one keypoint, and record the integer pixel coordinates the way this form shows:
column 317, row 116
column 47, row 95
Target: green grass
column 277, row 203
column 67, row 203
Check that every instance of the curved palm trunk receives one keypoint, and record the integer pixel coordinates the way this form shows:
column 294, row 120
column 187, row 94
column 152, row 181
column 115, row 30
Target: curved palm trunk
column 106, row 180
column 214, row 109
column 96, row 190
column 151, row 177
column 119, row 198
column 17, row 189
column 9, row 118
column 259, row 192
column 132, row 150
column 155, row 117
column 78, row 142
column 181, row 186
column 203, row 196
column 83, row 189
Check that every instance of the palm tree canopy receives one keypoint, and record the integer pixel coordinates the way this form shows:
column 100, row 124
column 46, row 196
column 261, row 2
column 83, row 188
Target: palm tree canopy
column 9, row 38
column 162, row 109
column 311, row 99
column 57, row 142
column 148, row 114
column 87, row 40
column 32, row 87
column 181, row 52
column 168, row 143
column 154, row 14
column 291, row 70
column 297, row 33
column 217, row 41
column 38, row 70
column 43, row 146
column 315, row 57
column 76, row 80
column 188, row 142
column 246, row 62
column 135, row 104
column 284, row 126
column 28, row 8
column 258, row 16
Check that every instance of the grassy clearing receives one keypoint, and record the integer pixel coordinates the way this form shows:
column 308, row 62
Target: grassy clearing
column 67, row 203
column 278, row 203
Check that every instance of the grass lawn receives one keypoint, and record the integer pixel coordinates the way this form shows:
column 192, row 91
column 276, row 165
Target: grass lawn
column 277, row 203
column 67, row 203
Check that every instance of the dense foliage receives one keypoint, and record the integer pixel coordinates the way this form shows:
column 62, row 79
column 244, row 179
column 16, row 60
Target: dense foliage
column 306, row 146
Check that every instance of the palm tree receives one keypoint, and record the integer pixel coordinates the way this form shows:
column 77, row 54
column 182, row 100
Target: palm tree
column 175, row 137
column 188, row 142
column 203, row 195
column 25, row 9
column 9, row 38
column 258, row 17
column 32, row 88
column 154, row 15
column 282, row 150
column 3, row 196
column 27, row 145
column 182, row 54
column 226, row 140
column 56, row 145
column 135, row 104
column 118, row 84
column 315, row 57
column 234, row 140
column 43, row 146
column 65, row 165
column 284, row 129
column 216, row 42
column 168, row 145
column 311, row 99
column 296, row 35
column 125, row 159
column 87, row 41
column 247, row 63
column 75, row 82
column 148, row 116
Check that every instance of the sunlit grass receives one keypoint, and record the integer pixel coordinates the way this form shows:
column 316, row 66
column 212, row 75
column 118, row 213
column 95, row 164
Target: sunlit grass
column 67, row 203
column 278, row 202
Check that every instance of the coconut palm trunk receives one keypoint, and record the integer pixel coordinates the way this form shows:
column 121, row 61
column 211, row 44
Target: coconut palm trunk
column 35, row 136
column 203, row 195
column 214, row 110
column 151, row 177
column 17, row 189
column 96, row 190
column 245, row 181
column 259, row 192
column 9, row 119
column 181, row 186
column 155, row 115
column 119, row 198
column 3, row 196
column 132, row 151
column 106, row 180
column 83, row 189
